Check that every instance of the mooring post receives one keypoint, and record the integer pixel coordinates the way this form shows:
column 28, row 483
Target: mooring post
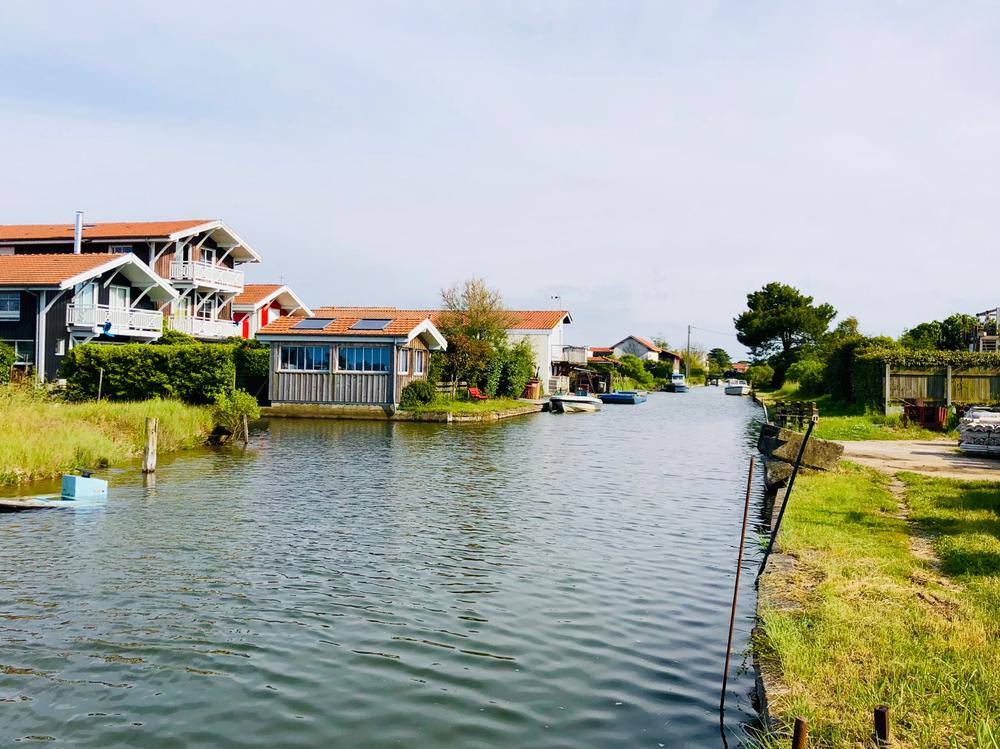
column 882, row 726
column 100, row 383
column 736, row 592
column 149, row 454
column 800, row 737
column 246, row 430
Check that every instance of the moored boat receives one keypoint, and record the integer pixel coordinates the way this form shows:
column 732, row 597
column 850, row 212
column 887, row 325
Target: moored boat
column 677, row 384
column 737, row 387
column 629, row 397
column 561, row 404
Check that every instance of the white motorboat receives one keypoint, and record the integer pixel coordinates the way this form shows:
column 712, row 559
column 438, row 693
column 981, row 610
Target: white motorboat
column 567, row 404
column 737, row 387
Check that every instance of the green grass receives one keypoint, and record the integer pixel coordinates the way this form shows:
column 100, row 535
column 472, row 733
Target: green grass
column 874, row 623
column 443, row 405
column 843, row 421
column 41, row 438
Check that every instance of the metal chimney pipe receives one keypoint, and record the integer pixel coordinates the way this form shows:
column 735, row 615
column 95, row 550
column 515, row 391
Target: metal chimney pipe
column 78, row 233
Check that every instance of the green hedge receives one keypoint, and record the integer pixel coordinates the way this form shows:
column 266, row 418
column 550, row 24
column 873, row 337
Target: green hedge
column 135, row 371
column 7, row 357
column 868, row 376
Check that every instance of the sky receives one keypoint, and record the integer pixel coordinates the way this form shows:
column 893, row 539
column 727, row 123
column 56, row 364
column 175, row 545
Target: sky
column 644, row 165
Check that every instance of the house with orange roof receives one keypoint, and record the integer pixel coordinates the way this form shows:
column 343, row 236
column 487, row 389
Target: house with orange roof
column 647, row 351
column 262, row 303
column 200, row 258
column 349, row 357
column 51, row 302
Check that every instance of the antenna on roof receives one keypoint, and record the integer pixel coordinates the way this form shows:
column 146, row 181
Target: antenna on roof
column 556, row 298
column 78, row 233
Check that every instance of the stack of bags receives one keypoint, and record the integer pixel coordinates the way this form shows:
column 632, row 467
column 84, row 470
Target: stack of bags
column 979, row 431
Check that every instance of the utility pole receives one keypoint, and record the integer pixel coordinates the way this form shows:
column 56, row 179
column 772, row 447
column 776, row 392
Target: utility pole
column 688, row 357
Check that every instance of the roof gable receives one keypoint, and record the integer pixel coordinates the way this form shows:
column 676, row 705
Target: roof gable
column 64, row 271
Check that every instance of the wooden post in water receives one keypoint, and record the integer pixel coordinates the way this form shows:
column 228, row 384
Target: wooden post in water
column 881, row 726
column 149, row 454
column 800, row 738
column 246, row 431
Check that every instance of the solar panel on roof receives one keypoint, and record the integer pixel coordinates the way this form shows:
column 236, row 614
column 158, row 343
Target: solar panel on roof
column 313, row 323
column 370, row 324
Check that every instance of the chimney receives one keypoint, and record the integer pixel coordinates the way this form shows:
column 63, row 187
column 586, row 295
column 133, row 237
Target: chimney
column 78, row 233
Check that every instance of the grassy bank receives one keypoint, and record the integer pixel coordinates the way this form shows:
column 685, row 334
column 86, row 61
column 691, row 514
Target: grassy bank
column 41, row 438
column 882, row 610
column 847, row 421
column 446, row 405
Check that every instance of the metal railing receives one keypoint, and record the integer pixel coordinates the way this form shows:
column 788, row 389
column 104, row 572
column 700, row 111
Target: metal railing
column 124, row 320
column 204, row 327
column 206, row 273
column 571, row 354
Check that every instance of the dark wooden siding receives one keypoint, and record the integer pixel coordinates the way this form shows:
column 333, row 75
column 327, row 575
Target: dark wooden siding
column 344, row 388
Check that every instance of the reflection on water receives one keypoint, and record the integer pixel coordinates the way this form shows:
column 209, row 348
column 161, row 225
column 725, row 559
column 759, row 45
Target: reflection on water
column 553, row 581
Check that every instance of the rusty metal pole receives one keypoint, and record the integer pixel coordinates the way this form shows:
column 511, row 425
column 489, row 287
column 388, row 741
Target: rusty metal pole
column 800, row 738
column 881, row 726
column 736, row 592
column 788, row 492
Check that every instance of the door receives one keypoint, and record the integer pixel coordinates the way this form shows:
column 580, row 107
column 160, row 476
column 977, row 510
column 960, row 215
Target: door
column 121, row 297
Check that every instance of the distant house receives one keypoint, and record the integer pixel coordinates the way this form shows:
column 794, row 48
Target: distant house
column 262, row 303
column 739, row 367
column 647, row 351
column 50, row 303
column 199, row 258
column 348, row 356
column 544, row 330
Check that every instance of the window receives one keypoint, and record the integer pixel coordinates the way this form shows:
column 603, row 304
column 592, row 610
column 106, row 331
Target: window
column 419, row 359
column 10, row 305
column 120, row 249
column 403, row 363
column 24, row 352
column 61, row 347
column 363, row 359
column 86, row 295
column 305, row 358
column 120, row 297
column 208, row 255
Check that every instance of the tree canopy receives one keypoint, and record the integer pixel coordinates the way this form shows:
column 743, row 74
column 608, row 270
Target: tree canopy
column 780, row 319
column 475, row 311
column 954, row 333
column 718, row 360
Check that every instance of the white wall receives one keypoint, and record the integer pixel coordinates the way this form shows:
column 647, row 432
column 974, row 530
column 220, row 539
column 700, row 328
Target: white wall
column 632, row 346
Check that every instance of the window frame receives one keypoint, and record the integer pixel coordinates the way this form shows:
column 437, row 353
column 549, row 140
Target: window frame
column 364, row 360
column 111, row 296
column 13, row 314
column 16, row 344
column 403, row 358
column 419, row 362
column 305, row 360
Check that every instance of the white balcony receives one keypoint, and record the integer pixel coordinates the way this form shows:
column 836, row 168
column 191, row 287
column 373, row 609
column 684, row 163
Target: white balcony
column 204, row 327
column 206, row 274
column 126, row 321
column 570, row 354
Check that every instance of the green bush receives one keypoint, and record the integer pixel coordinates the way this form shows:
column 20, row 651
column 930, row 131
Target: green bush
column 172, row 337
column 7, row 357
column 760, row 375
column 134, row 372
column 437, row 367
column 633, row 368
column 518, row 368
column 494, row 368
column 232, row 407
column 253, row 358
column 417, row 393
column 809, row 374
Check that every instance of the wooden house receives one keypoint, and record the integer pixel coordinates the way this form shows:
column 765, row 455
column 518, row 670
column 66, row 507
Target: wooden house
column 50, row 303
column 348, row 356
column 199, row 258
column 262, row 303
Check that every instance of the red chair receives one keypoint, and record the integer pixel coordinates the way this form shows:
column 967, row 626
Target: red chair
column 475, row 394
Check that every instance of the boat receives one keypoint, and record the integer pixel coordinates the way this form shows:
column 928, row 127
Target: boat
column 677, row 384
column 77, row 492
column 737, row 387
column 566, row 404
column 630, row 397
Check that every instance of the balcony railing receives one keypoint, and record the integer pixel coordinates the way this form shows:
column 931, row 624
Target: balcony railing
column 207, row 274
column 124, row 320
column 204, row 327
column 571, row 354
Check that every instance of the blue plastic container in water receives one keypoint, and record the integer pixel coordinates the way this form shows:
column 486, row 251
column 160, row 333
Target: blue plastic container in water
column 83, row 487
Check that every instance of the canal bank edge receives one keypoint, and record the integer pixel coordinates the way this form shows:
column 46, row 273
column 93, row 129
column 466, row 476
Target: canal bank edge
column 387, row 413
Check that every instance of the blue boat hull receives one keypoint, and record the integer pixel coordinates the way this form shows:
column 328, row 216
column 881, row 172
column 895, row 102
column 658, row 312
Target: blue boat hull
column 627, row 398
column 675, row 388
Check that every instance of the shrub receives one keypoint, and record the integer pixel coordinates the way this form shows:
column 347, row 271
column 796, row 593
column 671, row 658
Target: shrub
column 417, row 393
column 232, row 407
column 437, row 366
column 809, row 374
column 494, row 368
column 172, row 337
column 7, row 357
column 135, row 372
column 518, row 368
column 760, row 375
column 253, row 358
column 633, row 368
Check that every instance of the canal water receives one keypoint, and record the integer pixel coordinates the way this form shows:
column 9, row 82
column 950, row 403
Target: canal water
column 549, row 581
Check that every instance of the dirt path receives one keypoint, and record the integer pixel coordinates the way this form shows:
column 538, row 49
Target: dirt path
column 939, row 458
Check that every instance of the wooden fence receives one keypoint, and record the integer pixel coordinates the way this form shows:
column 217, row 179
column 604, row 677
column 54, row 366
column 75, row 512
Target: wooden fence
column 941, row 385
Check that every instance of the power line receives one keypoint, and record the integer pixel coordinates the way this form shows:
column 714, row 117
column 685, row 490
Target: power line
column 713, row 332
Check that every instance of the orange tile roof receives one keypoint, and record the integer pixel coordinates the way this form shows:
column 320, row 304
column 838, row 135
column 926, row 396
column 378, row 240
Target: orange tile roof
column 602, row 349
column 648, row 344
column 518, row 319
column 256, row 292
column 122, row 230
column 401, row 323
column 603, row 360
column 48, row 270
